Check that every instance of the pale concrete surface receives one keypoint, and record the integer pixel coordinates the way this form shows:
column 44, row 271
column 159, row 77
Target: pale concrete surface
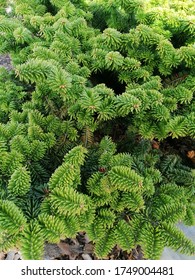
column 169, row 254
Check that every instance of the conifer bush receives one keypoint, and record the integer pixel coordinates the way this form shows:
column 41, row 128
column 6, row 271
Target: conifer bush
column 93, row 84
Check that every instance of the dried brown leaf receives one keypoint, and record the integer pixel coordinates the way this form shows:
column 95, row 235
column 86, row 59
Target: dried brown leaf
column 88, row 249
column 2, row 256
column 71, row 250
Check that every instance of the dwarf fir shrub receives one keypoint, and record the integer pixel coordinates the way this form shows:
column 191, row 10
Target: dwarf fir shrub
column 93, row 84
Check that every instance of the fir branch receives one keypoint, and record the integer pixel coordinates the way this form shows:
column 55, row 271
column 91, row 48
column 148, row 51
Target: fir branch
column 176, row 239
column 19, row 183
column 11, row 217
column 123, row 178
column 32, row 241
column 104, row 245
column 124, row 236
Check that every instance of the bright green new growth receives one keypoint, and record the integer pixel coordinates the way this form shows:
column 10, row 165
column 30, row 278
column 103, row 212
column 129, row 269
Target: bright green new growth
column 94, row 82
column 19, row 183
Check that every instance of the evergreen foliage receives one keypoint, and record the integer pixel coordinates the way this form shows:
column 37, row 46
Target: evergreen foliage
column 93, row 84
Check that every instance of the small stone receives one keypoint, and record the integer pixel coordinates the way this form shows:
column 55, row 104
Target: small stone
column 86, row 257
column 17, row 257
column 52, row 251
column 10, row 255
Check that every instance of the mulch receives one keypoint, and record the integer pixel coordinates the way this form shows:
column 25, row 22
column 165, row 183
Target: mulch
column 81, row 248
